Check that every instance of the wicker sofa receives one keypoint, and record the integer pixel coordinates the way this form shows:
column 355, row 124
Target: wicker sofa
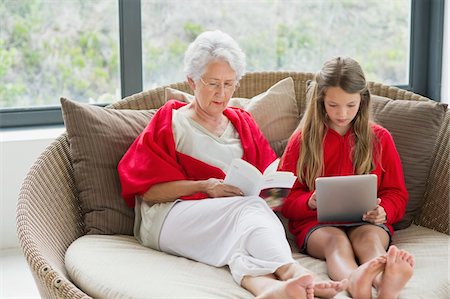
column 50, row 218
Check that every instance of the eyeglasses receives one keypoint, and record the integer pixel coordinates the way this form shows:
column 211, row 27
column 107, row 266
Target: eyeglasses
column 215, row 86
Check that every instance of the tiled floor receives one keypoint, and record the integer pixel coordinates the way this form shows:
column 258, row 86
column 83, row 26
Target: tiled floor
column 16, row 280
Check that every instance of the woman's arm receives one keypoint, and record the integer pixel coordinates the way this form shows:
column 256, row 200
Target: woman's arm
column 170, row 191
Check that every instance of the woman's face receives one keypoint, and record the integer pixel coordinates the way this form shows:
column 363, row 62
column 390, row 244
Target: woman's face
column 215, row 87
column 341, row 108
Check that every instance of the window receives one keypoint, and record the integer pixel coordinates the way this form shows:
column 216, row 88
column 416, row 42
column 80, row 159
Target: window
column 100, row 51
column 281, row 35
column 55, row 48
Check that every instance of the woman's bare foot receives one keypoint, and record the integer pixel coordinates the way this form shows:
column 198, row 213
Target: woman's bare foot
column 398, row 270
column 329, row 289
column 360, row 281
column 294, row 288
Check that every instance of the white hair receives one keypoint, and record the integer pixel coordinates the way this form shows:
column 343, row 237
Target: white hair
column 209, row 46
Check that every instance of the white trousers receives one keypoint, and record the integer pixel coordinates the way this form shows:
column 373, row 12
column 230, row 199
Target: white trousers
column 241, row 232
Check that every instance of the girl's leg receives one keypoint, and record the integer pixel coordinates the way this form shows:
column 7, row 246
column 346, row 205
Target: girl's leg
column 333, row 245
column 370, row 241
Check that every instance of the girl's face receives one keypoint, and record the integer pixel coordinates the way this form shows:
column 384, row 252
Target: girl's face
column 341, row 108
column 215, row 87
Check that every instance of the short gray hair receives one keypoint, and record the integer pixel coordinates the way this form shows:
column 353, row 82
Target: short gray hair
column 211, row 45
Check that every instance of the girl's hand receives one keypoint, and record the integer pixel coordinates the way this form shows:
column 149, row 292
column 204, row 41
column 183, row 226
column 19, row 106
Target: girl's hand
column 216, row 188
column 312, row 201
column 376, row 216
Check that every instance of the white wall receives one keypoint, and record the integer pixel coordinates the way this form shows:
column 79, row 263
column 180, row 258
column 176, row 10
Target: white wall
column 18, row 150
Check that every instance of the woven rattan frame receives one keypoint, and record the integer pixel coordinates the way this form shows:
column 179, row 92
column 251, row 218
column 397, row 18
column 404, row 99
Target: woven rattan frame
column 48, row 211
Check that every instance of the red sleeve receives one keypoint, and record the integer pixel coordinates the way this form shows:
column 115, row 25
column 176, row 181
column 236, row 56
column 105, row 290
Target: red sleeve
column 295, row 205
column 392, row 190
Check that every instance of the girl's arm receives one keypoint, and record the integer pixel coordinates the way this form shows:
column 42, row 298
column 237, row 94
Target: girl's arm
column 295, row 205
column 392, row 190
column 170, row 191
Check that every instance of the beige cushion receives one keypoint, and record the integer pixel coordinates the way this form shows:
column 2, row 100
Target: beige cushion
column 119, row 267
column 414, row 126
column 139, row 272
column 98, row 139
column 431, row 255
column 275, row 111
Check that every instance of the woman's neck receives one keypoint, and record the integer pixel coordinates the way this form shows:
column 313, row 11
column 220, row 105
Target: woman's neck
column 216, row 124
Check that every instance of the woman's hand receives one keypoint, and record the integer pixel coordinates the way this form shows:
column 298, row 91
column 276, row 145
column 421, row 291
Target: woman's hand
column 312, row 201
column 216, row 188
column 376, row 216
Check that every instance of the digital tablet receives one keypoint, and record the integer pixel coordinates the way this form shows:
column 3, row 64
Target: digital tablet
column 345, row 198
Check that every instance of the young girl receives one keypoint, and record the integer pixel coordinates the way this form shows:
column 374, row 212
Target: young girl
column 336, row 137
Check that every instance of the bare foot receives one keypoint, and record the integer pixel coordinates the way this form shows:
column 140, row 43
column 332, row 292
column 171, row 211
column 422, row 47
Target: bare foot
column 360, row 281
column 329, row 289
column 398, row 270
column 294, row 288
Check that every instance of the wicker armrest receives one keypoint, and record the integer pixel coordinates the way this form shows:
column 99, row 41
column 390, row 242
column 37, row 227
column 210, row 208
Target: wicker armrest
column 435, row 211
column 49, row 220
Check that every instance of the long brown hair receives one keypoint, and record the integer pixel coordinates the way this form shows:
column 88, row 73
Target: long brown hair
column 347, row 74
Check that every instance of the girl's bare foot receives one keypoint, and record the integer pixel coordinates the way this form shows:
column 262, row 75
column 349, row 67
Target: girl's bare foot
column 294, row 288
column 360, row 281
column 398, row 270
column 329, row 289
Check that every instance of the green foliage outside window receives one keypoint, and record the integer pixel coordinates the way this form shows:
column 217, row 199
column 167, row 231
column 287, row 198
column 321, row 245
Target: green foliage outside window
column 70, row 48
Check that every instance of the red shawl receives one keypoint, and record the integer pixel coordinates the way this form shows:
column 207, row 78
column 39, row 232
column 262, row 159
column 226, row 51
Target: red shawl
column 153, row 158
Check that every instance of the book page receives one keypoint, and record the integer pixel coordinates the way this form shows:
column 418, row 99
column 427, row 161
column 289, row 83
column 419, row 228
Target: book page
column 245, row 176
column 279, row 179
column 272, row 168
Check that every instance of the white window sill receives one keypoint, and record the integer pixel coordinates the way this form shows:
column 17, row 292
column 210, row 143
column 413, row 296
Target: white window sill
column 31, row 133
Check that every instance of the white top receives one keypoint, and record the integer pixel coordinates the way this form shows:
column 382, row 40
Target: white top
column 193, row 140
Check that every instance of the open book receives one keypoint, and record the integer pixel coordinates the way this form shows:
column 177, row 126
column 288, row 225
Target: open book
column 251, row 181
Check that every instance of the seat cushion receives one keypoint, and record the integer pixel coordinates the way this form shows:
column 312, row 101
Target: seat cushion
column 119, row 267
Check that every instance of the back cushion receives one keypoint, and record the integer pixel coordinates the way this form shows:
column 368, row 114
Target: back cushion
column 98, row 139
column 414, row 126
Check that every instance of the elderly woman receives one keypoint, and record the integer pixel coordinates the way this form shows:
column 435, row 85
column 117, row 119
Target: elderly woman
column 173, row 176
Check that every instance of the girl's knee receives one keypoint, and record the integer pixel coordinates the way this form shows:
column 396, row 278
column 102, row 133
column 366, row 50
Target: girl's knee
column 368, row 235
column 328, row 240
column 338, row 241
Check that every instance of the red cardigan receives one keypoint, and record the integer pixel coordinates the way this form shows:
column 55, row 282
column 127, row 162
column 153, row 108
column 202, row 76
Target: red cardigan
column 338, row 161
column 153, row 158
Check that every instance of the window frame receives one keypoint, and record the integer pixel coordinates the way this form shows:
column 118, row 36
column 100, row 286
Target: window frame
column 425, row 65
